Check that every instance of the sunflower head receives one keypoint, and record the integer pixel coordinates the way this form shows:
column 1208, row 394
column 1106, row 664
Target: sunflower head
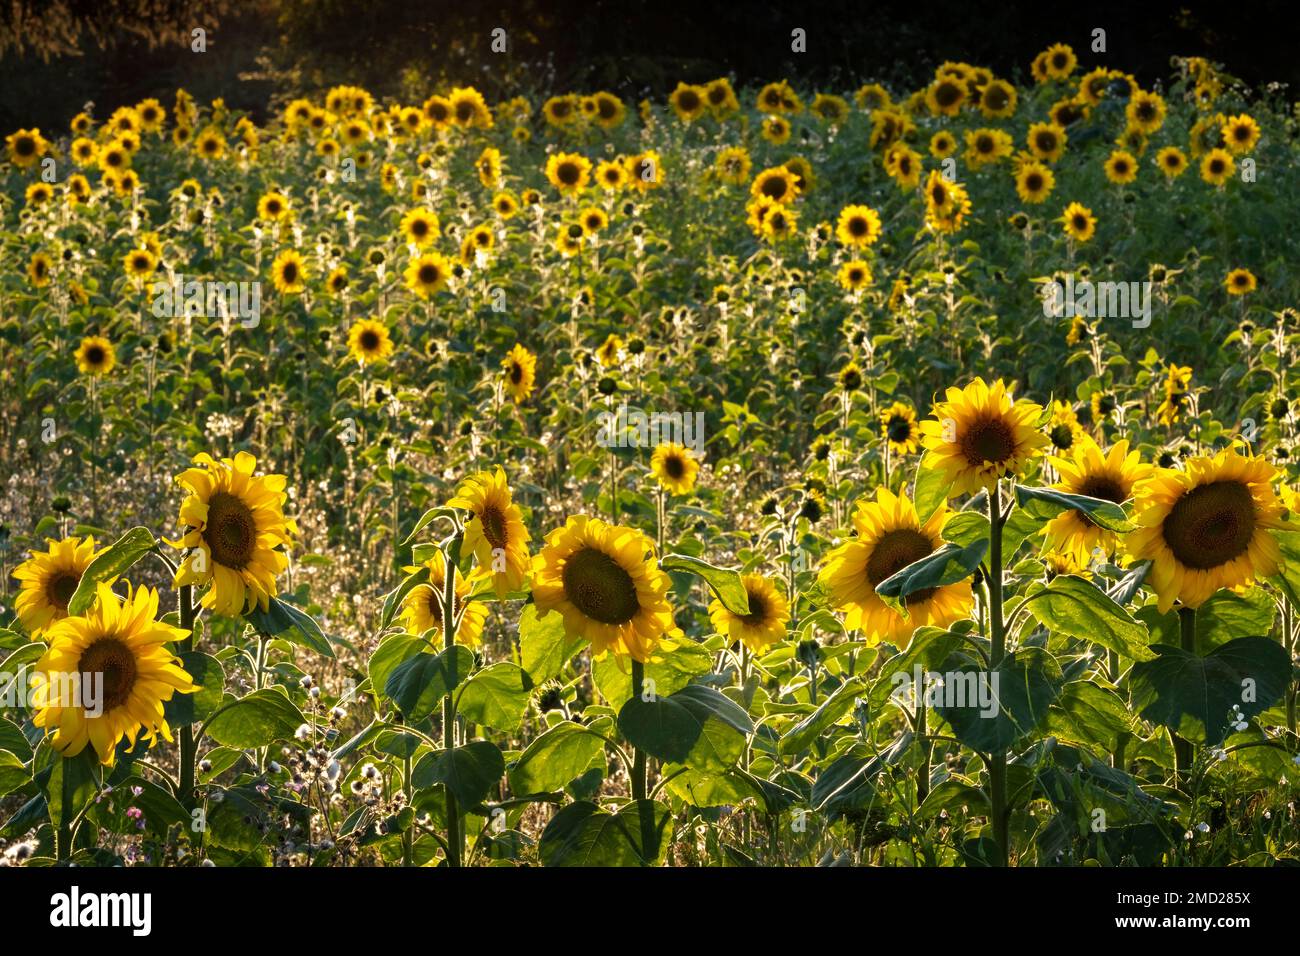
column 605, row 583
column 1108, row 476
column 107, row 674
column 675, row 468
column 519, row 369
column 898, row 428
column 979, row 434
column 95, row 356
column 234, row 533
column 764, row 625
column 1207, row 527
column 48, row 579
column 422, row 609
column 890, row 536
column 369, row 341
column 495, row 533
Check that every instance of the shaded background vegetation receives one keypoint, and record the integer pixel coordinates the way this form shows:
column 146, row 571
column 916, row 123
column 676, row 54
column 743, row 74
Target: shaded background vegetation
column 55, row 55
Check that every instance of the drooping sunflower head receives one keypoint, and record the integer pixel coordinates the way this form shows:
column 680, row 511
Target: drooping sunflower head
column 107, row 674
column 496, row 534
column 48, row 579
column 606, row 584
column 520, row 372
column 764, row 625
column 898, row 428
column 422, row 609
column 1108, row 476
column 234, row 533
column 1207, row 527
column 95, row 356
column 1063, row 428
column 674, row 467
column 979, row 434
column 369, row 341
column 890, row 536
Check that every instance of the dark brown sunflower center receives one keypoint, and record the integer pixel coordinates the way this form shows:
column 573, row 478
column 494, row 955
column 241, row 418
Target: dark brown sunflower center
column 674, row 467
column 599, row 587
column 984, row 144
column 289, row 272
column 758, row 610
column 894, row 551
column 857, row 226
column 899, row 429
column 111, row 658
column 95, row 355
column 369, row 340
column 465, row 112
column 776, row 187
column 1211, row 524
column 947, row 94
column 231, row 531
column 1216, row 166
column 494, row 526
column 1046, row 142
column 990, row 440
column 24, row 146
column 433, row 601
column 60, row 588
column 996, row 98
column 516, row 373
column 1080, row 221
column 1034, row 182
column 688, row 101
column 429, row 274
column 567, row 173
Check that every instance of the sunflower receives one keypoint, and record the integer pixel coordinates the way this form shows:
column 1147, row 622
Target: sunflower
column 903, row 164
column 520, row 367
column 39, row 269
column 505, row 205
column 119, row 646
column 561, row 110
column 780, row 222
column 1034, row 182
column 943, row 144
column 468, row 108
column 426, row 275
column 568, row 172
column 1087, row 470
column 643, row 171
column 675, row 468
column 1121, row 167
column 25, row 147
column 609, row 110
column 776, row 129
column 593, row 220
column 611, row 175
column 1240, row 133
column 946, row 203
column 945, row 96
column 420, row 227
column 858, row 226
column 1240, row 281
column 898, row 428
column 48, row 581
column 1047, row 141
column 140, row 263
column 688, row 101
column 732, row 165
column 721, row 97
column 488, row 166
column 1059, row 61
column 289, row 272
column 1078, row 222
column 777, row 184
column 1206, row 527
column 95, row 356
column 210, row 144
column 998, row 99
column 830, row 108
column 38, row 194
column 987, row 146
column 234, row 529
column 336, row 283
column 369, row 341
column 422, row 608
column 273, row 207
column 1063, row 428
column 1172, row 161
column 1145, row 111
column 890, row 536
column 764, row 625
column 1178, row 382
column 980, row 434
column 855, row 275
column 1217, row 166
column 604, row 581
column 84, row 152
column 495, row 535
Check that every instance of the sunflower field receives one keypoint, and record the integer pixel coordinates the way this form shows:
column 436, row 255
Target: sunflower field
column 747, row 476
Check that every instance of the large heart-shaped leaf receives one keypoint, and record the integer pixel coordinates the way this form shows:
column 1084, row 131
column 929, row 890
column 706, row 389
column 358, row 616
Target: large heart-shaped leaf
column 697, row 726
column 1074, row 606
column 418, row 683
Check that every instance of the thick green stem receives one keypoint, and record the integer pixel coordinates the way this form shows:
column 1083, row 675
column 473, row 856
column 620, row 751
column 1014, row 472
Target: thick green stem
column 454, row 841
column 923, row 740
column 189, row 743
column 645, row 808
column 998, row 641
column 1183, row 752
